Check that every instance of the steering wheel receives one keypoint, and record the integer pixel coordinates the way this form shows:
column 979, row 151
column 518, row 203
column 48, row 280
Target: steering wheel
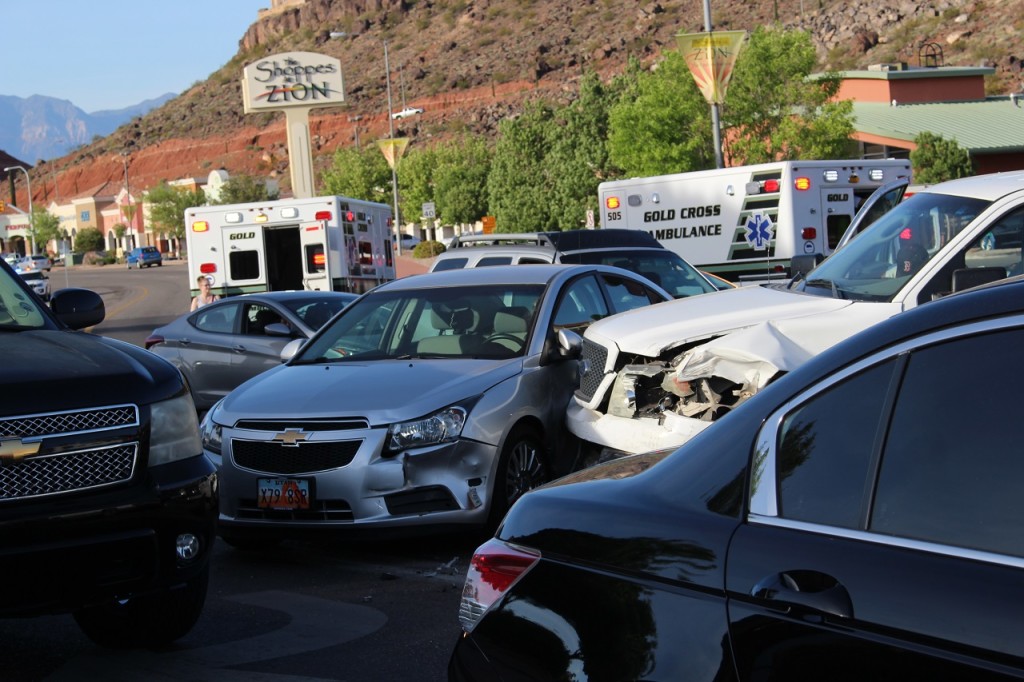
column 504, row 336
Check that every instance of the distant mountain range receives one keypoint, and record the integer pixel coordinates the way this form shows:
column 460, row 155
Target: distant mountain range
column 39, row 127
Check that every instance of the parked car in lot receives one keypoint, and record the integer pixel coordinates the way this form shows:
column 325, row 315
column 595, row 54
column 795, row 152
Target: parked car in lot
column 700, row 357
column 409, row 241
column 431, row 402
column 11, row 258
column 223, row 344
column 848, row 522
column 38, row 281
column 107, row 504
column 35, row 262
column 632, row 250
column 143, row 257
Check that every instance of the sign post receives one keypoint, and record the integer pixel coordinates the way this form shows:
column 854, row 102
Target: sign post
column 294, row 82
column 711, row 58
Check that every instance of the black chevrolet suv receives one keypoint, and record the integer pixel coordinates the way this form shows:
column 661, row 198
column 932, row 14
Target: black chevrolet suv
column 107, row 504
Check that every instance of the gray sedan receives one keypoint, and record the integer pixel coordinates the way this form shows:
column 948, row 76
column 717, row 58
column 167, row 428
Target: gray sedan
column 223, row 344
column 432, row 401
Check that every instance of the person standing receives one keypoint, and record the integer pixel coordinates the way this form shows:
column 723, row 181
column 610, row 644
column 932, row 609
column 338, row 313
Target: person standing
column 205, row 295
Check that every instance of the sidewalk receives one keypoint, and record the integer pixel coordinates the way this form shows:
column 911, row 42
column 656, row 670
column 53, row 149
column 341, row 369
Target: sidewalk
column 407, row 265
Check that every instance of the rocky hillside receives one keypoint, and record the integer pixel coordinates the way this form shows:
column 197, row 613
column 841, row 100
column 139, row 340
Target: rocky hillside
column 470, row 63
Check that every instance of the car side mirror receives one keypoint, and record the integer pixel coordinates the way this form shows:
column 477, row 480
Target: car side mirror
column 804, row 263
column 277, row 329
column 290, row 349
column 570, row 344
column 78, row 308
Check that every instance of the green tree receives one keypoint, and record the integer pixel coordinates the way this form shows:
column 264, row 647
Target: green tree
column 88, row 239
column 579, row 160
column 167, row 208
column 661, row 123
column 774, row 110
column 460, row 180
column 46, row 227
column 359, row 174
column 518, row 186
column 416, row 182
column 937, row 159
column 240, row 189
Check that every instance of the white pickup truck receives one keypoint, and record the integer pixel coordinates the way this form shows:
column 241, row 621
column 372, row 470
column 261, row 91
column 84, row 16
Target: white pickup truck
column 654, row 377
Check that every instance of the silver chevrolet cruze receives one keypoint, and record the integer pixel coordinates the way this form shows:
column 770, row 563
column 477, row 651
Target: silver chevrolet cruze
column 434, row 400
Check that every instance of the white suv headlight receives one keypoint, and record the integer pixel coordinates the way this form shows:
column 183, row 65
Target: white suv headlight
column 441, row 427
column 174, row 431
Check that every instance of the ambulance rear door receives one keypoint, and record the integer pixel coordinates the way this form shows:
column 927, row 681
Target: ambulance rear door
column 316, row 266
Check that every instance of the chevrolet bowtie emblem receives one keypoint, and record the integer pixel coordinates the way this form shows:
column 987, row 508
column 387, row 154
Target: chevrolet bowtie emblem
column 290, row 437
column 14, row 450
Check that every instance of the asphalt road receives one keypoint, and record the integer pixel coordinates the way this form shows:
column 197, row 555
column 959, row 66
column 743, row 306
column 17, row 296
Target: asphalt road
column 331, row 610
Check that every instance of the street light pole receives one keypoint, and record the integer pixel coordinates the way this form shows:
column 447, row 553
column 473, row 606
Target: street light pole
column 31, row 226
column 394, row 158
column 128, row 193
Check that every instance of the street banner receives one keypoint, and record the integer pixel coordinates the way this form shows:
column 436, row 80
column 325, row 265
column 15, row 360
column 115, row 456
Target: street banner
column 393, row 149
column 711, row 58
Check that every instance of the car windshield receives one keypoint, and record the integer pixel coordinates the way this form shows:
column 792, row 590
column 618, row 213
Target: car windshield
column 663, row 267
column 485, row 322
column 32, row 275
column 18, row 310
column 877, row 263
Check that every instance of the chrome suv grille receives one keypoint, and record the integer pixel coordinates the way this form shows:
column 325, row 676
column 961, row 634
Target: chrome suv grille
column 67, row 472
column 78, row 421
column 302, row 458
column 594, row 358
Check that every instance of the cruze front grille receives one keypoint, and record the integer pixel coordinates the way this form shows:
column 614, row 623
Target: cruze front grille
column 67, row 471
column 302, row 458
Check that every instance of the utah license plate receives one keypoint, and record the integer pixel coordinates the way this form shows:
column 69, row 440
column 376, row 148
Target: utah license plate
column 283, row 493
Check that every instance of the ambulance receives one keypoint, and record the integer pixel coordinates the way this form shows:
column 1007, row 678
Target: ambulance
column 330, row 243
column 746, row 223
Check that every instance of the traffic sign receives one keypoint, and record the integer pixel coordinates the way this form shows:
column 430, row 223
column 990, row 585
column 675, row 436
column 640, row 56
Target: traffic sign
column 429, row 210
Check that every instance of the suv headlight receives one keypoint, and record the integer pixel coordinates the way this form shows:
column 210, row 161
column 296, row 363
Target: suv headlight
column 444, row 426
column 174, row 431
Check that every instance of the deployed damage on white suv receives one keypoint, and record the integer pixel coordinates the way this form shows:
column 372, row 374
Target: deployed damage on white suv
column 653, row 378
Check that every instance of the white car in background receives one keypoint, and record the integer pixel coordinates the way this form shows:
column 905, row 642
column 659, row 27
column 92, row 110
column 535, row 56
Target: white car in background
column 406, row 113
column 39, row 282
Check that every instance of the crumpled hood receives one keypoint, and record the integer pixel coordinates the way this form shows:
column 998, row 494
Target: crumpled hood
column 651, row 330
column 48, row 371
column 382, row 391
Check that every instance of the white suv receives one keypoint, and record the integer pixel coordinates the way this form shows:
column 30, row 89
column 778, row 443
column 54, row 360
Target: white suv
column 656, row 377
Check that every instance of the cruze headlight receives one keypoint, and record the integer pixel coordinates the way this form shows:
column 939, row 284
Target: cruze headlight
column 211, row 432
column 441, row 427
column 174, row 431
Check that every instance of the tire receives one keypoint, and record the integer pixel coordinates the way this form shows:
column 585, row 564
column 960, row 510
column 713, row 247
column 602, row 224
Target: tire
column 522, row 467
column 149, row 621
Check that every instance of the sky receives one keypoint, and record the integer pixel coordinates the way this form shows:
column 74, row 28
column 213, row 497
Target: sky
column 112, row 54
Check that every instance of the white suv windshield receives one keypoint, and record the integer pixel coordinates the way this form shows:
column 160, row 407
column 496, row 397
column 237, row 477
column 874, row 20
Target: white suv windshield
column 876, row 264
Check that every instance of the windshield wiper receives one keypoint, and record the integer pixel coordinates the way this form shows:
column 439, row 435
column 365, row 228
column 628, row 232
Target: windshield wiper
column 826, row 283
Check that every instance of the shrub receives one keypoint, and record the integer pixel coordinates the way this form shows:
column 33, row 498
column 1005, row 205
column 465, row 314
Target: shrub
column 427, row 249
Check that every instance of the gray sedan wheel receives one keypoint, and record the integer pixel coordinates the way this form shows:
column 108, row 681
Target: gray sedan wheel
column 521, row 468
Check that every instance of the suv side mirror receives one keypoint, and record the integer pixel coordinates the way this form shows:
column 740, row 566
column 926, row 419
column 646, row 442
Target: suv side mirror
column 78, row 308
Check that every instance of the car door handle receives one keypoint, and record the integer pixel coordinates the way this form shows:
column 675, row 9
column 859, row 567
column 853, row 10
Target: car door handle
column 185, row 341
column 806, row 591
column 238, row 349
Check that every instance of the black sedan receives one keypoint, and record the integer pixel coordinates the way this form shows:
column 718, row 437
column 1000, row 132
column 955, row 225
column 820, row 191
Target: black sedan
column 225, row 343
column 859, row 519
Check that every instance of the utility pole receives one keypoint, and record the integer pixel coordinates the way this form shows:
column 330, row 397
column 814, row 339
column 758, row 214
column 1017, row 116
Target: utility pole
column 394, row 163
column 716, row 126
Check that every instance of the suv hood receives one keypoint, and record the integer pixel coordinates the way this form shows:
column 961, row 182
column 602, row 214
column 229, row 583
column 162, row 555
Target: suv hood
column 382, row 391
column 85, row 370
column 651, row 330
